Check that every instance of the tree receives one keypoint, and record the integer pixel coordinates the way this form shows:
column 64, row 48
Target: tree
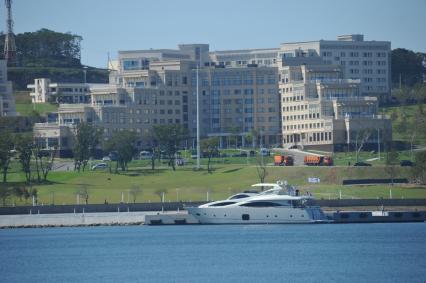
column 210, row 147
column 83, row 193
column 4, row 193
column 86, row 140
column 134, row 192
column 123, row 144
column 407, row 66
column 27, row 194
column 261, row 169
column 168, row 138
column 155, row 147
column 25, row 146
column 43, row 159
column 413, row 128
column 7, row 144
column 34, row 194
column 392, row 164
column 361, row 138
column 419, row 168
column 252, row 137
column 45, row 47
column 161, row 194
column 233, row 137
column 18, row 191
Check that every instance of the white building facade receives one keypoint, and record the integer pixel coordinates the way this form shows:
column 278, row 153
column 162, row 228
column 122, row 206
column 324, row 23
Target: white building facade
column 43, row 91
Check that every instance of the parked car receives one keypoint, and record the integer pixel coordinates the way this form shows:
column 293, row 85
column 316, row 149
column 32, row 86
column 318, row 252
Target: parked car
column 145, row 155
column 362, row 164
column 106, row 158
column 99, row 166
column 405, row 163
column 265, row 152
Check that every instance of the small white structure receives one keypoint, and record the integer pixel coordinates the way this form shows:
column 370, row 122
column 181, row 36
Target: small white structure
column 43, row 90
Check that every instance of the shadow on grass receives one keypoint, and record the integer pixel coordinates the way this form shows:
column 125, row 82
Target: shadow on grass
column 142, row 172
column 22, row 183
column 233, row 170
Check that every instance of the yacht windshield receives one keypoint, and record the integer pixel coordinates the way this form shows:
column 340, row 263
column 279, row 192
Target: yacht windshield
column 239, row 196
column 222, row 203
column 273, row 191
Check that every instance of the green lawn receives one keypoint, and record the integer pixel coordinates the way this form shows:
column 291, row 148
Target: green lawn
column 226, row 179
column 25, row 109
column 343, row 158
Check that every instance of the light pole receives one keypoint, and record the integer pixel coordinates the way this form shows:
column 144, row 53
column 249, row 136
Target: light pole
column 378, row 141
column 85, row 74
column 198, row 125
column 177, row 195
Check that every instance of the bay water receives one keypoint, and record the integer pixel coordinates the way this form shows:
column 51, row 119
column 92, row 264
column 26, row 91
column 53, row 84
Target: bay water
column 394, row 252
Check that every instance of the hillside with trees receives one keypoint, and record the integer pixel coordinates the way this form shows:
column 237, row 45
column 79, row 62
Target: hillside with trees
column 407, row 67
column 55, row 55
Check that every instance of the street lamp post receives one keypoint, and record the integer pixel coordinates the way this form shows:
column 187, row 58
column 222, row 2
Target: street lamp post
column 85, row 74
column 177, row 195
column 378, row 141
column 198, row 125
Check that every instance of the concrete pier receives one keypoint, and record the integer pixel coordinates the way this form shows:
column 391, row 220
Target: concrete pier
column 376, row 216
column 74, row 219
column 182, row 218
column 337, row 217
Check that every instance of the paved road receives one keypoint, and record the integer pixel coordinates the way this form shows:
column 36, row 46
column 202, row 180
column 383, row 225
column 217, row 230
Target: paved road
column 61, row 165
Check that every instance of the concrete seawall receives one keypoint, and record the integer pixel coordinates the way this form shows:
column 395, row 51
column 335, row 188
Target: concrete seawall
column 78, row 219
column 174, row 206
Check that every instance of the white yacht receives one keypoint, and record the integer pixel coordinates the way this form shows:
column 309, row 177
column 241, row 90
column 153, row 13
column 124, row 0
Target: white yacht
column 275, row 205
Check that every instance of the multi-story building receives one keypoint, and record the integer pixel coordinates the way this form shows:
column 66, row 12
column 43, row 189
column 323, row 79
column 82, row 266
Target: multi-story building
column 322, row 110
column 7, row 99
column 237, row 102
column 368, row 61
column 292, row 95
column 233, row 102
column 241, row 58
column 43, row 90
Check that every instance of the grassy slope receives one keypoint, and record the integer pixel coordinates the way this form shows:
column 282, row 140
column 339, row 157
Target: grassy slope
column 24, row 106
column 226, row 179
column 410, row 111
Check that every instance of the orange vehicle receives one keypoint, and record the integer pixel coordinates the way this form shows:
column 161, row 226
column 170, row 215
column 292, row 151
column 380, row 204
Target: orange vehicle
column 313, row 160
column 318, row 160
column 283, row 160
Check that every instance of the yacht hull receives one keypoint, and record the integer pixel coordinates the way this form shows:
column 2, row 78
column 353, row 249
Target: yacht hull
column 260, row 215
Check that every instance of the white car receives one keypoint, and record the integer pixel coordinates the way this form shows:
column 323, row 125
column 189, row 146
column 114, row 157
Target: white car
column 106, row 158
column 145, row 155
column 99, row 166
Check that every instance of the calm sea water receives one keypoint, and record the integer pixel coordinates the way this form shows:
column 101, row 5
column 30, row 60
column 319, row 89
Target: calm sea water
column 256, row 253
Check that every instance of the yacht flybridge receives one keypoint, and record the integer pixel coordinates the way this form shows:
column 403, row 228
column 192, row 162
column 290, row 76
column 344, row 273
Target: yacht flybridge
column 277, row 204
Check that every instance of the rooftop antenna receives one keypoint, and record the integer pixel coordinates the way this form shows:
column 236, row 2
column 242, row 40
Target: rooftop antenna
column 9, row 43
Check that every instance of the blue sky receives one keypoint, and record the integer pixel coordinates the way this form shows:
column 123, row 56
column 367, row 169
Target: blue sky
column 112, row 25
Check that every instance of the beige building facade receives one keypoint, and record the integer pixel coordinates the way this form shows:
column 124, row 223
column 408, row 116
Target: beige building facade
column 287, row 96
column 7, row 99
column 322, row 110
